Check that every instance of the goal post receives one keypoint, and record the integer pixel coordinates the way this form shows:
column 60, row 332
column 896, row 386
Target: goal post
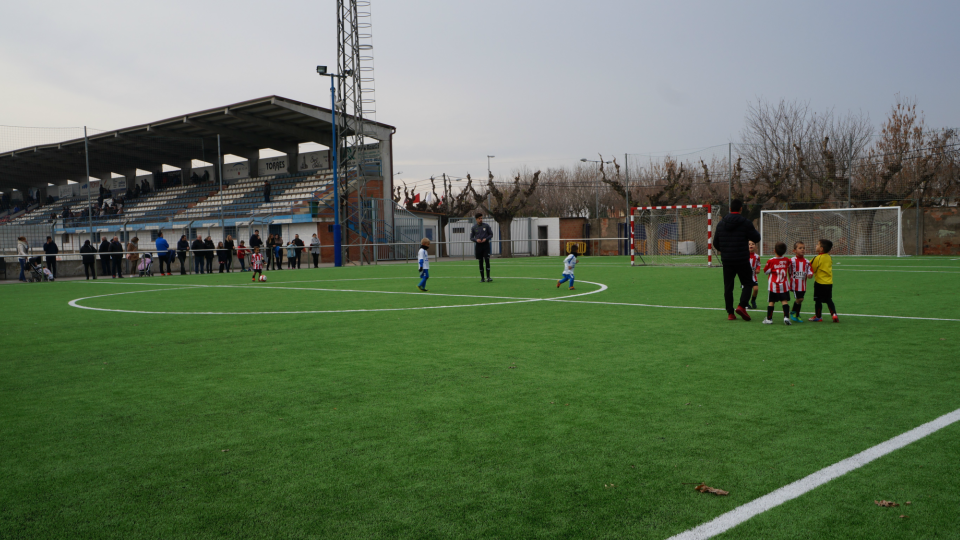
column 672, row 235
column 853, row 231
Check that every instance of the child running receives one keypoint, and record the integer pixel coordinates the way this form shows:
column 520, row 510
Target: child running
column 256, row 263
column 568, row 265
column 800, row 271
column 778, row 268
column 423, row 258
column 822, row 266
column 755, row 266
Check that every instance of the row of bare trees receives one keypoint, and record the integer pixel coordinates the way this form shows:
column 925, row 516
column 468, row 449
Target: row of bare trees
column 788, row 156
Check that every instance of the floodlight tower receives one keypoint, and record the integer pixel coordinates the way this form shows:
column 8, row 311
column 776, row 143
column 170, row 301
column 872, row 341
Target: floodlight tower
column 357, row 104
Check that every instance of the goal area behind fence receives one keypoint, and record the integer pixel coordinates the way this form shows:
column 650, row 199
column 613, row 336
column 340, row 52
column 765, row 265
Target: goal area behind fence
column 853, row 231
column 672, row 235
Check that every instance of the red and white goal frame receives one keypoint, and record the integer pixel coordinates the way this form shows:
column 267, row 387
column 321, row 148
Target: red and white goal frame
column 709, row 228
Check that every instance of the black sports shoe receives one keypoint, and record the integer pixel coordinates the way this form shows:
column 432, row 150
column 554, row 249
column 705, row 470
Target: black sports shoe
column 482, row 280
column 489, row 280
column 753, row 304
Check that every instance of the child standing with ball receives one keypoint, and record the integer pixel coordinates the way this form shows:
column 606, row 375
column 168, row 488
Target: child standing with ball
column 423, row 258
column 568, row 265
column 256, row 263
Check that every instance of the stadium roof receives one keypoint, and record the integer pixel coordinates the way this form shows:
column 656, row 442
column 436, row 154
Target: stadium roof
column 244, row 128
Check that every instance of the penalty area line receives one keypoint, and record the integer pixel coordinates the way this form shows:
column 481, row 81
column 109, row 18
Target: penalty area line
column 740, row 514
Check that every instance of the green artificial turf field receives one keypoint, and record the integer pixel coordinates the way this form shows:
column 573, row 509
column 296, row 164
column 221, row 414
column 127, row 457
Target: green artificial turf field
column 477, row 410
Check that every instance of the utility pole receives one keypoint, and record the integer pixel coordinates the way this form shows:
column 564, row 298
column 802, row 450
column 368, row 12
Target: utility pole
column 730, row 175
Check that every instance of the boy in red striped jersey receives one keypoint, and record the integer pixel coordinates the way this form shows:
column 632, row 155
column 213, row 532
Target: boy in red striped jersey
column 778, row 268
column 256, row 263
column 800, row 272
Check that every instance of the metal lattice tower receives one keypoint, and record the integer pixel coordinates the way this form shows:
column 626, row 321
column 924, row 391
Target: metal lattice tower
column 356, row 103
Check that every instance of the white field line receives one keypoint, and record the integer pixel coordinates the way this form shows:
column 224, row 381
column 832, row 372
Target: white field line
column 898, row 271
column 738, row 515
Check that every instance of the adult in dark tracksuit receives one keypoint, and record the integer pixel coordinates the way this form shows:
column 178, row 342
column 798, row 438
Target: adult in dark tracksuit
column 89, row 255
column 51, row 249
column 182, row 248
column 197, row 249
column 116, row 252
column 480, row 235
column 731, row 241
column 105, row 257
column 210, row 253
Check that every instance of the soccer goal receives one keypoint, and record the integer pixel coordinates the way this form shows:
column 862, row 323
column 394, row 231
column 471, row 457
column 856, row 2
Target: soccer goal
column 853, row 231
column 672, row 235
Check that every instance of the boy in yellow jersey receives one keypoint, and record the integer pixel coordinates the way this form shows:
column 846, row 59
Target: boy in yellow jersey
column 822, row 266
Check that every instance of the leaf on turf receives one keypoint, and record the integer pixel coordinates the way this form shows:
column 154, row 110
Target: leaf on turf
column 903, row 516
column 886, row 504
column 908, row 502
column 703, row 488
column 225, row 450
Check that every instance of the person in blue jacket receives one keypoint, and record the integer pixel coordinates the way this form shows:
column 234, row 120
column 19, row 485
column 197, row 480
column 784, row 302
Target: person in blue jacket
column 163, row 247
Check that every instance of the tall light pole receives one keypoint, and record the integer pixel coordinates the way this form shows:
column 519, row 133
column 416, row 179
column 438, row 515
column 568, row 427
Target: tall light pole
column 597, row 192
column 488, row 165
column 337, row 245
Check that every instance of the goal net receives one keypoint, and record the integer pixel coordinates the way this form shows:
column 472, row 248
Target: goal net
column 672, row 235
column 853, row 231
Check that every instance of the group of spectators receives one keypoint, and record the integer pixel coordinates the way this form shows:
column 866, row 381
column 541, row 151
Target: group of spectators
column 275, row 249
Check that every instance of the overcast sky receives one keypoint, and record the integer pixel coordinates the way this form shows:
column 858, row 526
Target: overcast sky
column 537, row 83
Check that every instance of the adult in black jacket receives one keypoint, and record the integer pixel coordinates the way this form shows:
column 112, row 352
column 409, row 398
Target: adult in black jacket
column 299, row 243
column 197, row 248
column 105, row 257
column 51, row 249
column 266, row 191
column 228, row 245
column 182, row 248
column 480, row 235
column 255, row 240
column 116, row 252
column 89, row 256
column 731, row 241
column 211, row 250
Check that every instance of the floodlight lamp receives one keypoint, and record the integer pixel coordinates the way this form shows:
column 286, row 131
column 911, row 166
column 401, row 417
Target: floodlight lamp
column 321, row 70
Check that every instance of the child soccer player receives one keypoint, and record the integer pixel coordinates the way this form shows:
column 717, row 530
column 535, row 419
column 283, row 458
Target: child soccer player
column 778, row 268
column 822, row 266
column 755, row 266
column 568, row 265
column 800, row 270
column 256, row 263
column 423, row 258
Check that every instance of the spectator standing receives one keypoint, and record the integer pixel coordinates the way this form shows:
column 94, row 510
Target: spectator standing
column 255, row 240
column 116, row 253
column 197, row 248
column 51, row 249
column 315, row 250
column 266, row 191
column 104, row 257
column 271, row 241
column 182, row 248
column 23, row 252
column 278, row 252
column 210, row 252
column 299, row 251
column 163, row 252
column 89, row 255
column 242, row 252
column 228, row 245
column 133, row 255
column 732, row 239
column 291, row 255
column 223, row 255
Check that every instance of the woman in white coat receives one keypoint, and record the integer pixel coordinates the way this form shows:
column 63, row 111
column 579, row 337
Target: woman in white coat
column 22, row 253
column 315, row 250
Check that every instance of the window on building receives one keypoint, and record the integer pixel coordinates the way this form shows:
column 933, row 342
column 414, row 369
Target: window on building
column 230, row 231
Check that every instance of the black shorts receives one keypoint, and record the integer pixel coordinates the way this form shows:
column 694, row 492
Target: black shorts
column 778, row 297
column 799, row 294
column 482, row 250
column 822, row 292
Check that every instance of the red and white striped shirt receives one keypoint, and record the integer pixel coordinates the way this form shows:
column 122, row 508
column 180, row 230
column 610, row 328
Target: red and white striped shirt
column 754, row 265
column 256, row 261
column 800, row 272
column 778, row 268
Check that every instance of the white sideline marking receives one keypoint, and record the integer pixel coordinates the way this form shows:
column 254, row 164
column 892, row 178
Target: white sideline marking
column 900, row 271
column 738, row 515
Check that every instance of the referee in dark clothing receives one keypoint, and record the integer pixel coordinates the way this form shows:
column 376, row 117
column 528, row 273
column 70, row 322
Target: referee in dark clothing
column 734, row 232
column 480, row 235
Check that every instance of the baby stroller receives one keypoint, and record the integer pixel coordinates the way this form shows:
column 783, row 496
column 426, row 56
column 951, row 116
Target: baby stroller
column 145, row 266
column 37, row 272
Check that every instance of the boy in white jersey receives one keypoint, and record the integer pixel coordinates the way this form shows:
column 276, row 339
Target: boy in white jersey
column 568, row 265
column 755, row 266
column 800, row 272
column 423, row 259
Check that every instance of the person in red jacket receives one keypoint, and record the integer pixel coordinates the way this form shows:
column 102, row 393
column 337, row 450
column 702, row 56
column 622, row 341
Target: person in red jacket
column 242, row 252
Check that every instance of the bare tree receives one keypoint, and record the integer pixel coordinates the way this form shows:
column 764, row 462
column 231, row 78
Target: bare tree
column 506, row 204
